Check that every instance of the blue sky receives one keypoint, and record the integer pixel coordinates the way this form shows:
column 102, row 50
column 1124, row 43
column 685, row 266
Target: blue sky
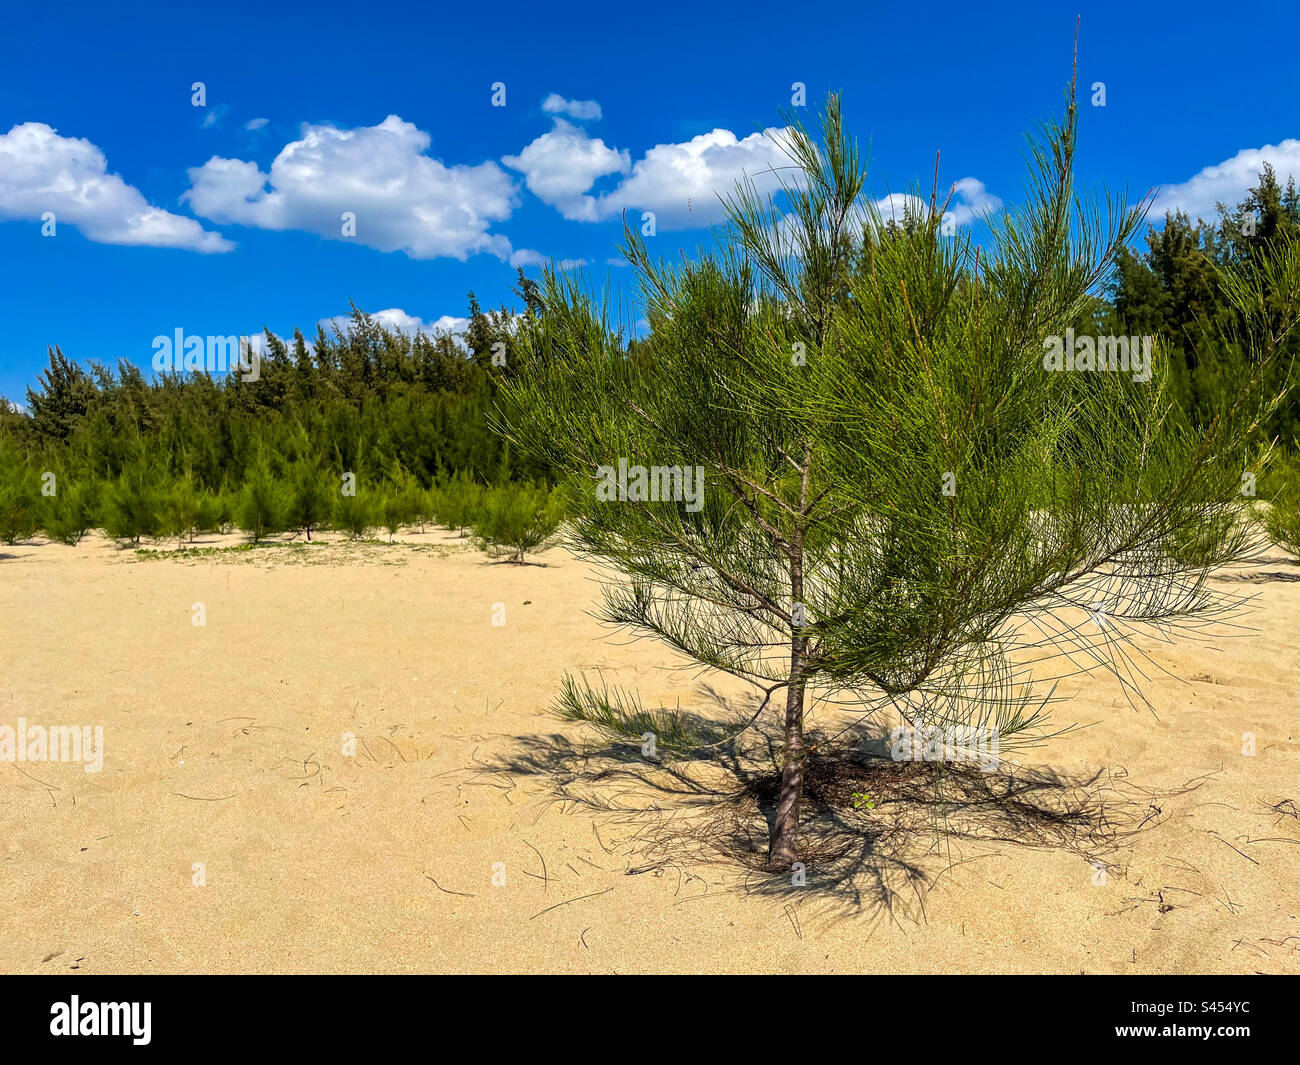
column 226, row 218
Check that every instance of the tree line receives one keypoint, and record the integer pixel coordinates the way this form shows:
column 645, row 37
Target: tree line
column 363, row 428
column 404, row 412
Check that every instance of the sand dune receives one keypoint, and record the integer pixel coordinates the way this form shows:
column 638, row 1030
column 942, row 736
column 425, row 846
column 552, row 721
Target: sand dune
column 223, row 761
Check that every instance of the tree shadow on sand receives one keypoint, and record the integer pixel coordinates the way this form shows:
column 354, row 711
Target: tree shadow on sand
column 1258, row 575
column 875, row 833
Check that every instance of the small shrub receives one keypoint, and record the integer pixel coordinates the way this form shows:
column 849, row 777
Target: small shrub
column 213, row 512
column 71, row 512
column 263, row 505
column 179, row 511
column 19, row 515
column 133, row 508
column 1282, row 517
column 514, row 519
column 456, row 501
column 395, row 510
column 355, row 516
column 311, row 500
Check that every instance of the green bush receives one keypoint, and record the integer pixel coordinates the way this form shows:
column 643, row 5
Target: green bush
column 354, row 515
column 422, row 507
column 179, row 511
column 395, row 510
column 71, row 512
column 18, row 505
column 1281, row 517
column 455, row 501
column 263, row 505
column 514, row 519
column 214, row 512
column 412, row 502
column 311, row 499
column 133, row 509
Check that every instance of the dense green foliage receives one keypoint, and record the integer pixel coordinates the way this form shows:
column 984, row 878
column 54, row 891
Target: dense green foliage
column 844, row 468
column 189, row 453
column 1280, row 510
column 513, row 519
column 1175, row 291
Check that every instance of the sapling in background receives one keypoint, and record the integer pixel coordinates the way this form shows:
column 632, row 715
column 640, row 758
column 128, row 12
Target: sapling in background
column 311, row 498
column 413, row 501
column 180, row 509
column 1281, row 514
column 514, row 518
column 132, row 506
column 72, row 511
column 456, row 500
column 422, row 500
column 19, row 503
column 905, row 510
column 213, row 514
column 394, row 510
column 263, row 505
column 354, row 515
column 401, row 502
column 19, row 493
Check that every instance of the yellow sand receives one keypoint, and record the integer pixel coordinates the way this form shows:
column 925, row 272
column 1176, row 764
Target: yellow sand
column 223, row 746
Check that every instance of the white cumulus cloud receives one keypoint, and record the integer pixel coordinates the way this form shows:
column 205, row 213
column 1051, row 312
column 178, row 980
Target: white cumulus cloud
column 560, row 167
column 527, row 257
column 1228, row 181
column 679, row 183
column 42, row 171
column 971, row 200
column 403, row 199
column 682, row 184
column 555, row 104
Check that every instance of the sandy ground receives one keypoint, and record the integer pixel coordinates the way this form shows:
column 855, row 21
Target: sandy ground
column 229, row 831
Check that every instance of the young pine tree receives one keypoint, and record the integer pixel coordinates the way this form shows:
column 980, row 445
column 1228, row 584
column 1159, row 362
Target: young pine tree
column 853, row 473
column 456, row 501
column 423, row 502
column 393, row 511
column 311, row 498
column 133, row 505
column 1281, row 516
column 19, row 501
column 413, row 500
column 263, row 504
column 514, row 518
column 213, row 512
column 354, row 515
column 180, row 509
column 72, row 511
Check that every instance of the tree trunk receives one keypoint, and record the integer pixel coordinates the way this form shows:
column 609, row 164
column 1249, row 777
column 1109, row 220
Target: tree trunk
column 785, row 827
